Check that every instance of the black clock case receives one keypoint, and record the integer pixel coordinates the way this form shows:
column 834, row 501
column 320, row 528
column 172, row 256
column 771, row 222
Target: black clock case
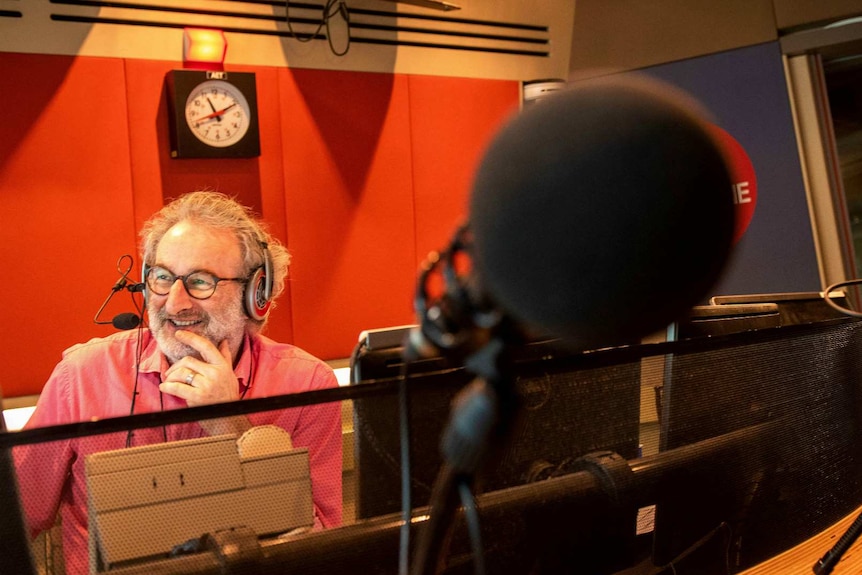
column 184, row 144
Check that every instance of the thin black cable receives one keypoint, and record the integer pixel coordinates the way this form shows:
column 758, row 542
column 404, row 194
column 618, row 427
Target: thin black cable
column 722, row 527
column 345, row 15
column 406, row 502
column 827, row 296
column 251, row 369
column 471, row 516
column 138, row 353
column 330, row 9
column 118, row 286
column 311, row 36
column 162, row 408
column 139, row 349
column 138, row 307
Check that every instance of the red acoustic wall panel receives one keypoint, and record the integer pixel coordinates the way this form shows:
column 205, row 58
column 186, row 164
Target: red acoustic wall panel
column 349, row 204
column 452, row 121
column 272, row 185
column 378, row 169
column 66, row 205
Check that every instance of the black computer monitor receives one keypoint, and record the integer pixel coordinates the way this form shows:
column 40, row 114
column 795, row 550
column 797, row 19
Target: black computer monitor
column 803, row 377
column 571, row 404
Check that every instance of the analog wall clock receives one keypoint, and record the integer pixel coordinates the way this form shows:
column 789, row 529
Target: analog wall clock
column 213, row 114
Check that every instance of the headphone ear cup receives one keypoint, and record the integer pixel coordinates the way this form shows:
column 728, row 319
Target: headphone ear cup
column 256, row 298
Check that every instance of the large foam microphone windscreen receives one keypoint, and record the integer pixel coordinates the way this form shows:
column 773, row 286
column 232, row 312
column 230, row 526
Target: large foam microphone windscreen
column 602, row 213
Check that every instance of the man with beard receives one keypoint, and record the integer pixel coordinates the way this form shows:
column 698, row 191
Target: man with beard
column 211, row 272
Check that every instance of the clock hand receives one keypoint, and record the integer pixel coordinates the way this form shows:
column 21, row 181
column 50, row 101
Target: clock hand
column 215, row 114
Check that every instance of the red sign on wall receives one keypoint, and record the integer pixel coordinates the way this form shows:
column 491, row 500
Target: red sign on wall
column 743, row 178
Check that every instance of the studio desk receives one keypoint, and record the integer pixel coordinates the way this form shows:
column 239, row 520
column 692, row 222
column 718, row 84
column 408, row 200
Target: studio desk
column 800, row 560
column 758, row 471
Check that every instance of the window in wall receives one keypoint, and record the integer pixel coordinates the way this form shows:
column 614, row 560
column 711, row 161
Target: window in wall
column 844, row 87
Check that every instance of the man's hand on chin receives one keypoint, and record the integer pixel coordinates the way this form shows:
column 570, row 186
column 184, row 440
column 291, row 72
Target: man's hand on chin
column 206, row 381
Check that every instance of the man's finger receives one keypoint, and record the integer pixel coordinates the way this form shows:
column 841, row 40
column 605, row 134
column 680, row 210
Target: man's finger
column 202, row 345
column 177, row 389
column 224, row 348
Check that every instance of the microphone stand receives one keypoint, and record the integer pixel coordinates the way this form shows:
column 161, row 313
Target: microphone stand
column 482, row 416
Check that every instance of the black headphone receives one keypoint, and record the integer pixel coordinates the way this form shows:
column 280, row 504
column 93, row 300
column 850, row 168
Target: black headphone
column 257, row 296
column 457, row 322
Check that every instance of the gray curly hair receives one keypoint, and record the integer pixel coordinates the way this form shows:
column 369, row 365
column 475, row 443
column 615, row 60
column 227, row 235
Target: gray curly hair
column 218, row 210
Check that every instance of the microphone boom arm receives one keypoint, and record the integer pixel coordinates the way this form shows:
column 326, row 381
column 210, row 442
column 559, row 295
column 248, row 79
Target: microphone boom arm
column 122, row 283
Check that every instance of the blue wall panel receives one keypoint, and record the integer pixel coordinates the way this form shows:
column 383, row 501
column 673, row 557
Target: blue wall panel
column 746, row 91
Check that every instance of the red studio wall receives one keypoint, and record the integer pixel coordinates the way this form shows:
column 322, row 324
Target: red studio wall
column 360, row 175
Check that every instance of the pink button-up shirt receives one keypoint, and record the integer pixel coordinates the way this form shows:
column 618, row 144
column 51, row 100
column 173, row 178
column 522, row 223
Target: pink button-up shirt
column 96, row 380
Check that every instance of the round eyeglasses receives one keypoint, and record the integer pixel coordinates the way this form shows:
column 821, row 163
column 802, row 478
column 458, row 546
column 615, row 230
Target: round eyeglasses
column 198, row 284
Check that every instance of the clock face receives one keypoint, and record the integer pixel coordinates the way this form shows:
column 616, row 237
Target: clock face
column 217, row 113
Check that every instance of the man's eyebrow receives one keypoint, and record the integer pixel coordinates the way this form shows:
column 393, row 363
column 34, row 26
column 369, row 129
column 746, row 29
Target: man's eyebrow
column 166, row 268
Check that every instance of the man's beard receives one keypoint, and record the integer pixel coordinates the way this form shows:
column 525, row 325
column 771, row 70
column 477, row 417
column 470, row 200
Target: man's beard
column 228, row 324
